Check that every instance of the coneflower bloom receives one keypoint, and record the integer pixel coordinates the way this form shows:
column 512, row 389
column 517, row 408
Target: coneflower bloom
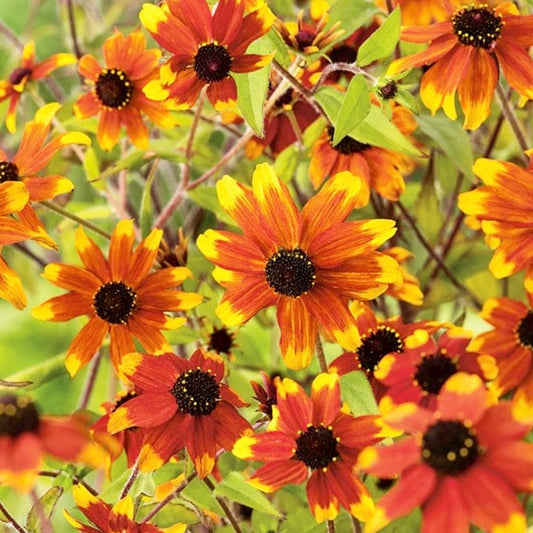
column 29, row 70
column 465, row 54
column 27, row 436
column 119, row 294
column 117, row 96
column 309, row 263
column 111, row 519
column 503, row 208
column 206, row 48
column 462, row 463
column 311, row 440
column 423, row 12
column 182, row 404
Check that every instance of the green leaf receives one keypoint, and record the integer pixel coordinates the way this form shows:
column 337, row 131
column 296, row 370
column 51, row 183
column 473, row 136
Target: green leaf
column 252, row 88
column 355, row 107
column 198, row 492
column 451, row 138
column 282, row 53
column 427, row 209
column 286, row 162
column 206, row 196
column 330, row 101
column 146, row 211
column 91, row 165
column 376, row 129
column 133, row 161
column 236, row 488
column 382, row 42
column 357, row 393
column 42, row 508
column 143, row 484
column 41, row 373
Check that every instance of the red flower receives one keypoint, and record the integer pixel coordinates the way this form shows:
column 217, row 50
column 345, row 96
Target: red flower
column 462, row 463
column 311, row 439
column 184, row 404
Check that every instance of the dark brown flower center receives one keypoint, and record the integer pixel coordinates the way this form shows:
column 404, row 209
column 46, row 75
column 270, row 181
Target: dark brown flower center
column 19, row 74
column 477, row 26
column 316, row 447
column 376, row 345
column 290, row 272
column 433, row 371
column 285, row 99
column 212, row 62
column 388, row 90
column 17, row 415
column 197, row 392
column 115, row 302
column 343, row 54
column 8, row 171
column 524, row 331
column 347, row 145
column 450, row 447
column 114, row 88
column 304, row 38
column 221, row 340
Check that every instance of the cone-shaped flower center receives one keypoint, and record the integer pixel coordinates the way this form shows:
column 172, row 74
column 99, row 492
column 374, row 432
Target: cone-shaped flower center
column 17, row 415
column 212, row 62
column 376, row 345
column 19, row 74
column 343, row 54
column 290, row 272
column 197, row 392
column 477, row 26
column 433, row 371
column 524, row 331
column 449, row 447
column 347, row 145
column 115, row 302
column 221, row 340
column 114, row 88
column 316, row 447
column 8, row 171
column 304, row 38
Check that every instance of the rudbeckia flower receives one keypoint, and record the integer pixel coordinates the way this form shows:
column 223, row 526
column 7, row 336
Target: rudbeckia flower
column 182, row 404
column 117, row 97
column 29, row 70
column 380, row 169
column 503, row 207
column 465, row 54
column 418, row 373
column 462, row 463
column 511, row 344
column 422, row 12
column 407, row 288
column 119, row 294
column 26, row 437
column 311, row 440
column 110, row 519
column 206, row 48
column 309, row 263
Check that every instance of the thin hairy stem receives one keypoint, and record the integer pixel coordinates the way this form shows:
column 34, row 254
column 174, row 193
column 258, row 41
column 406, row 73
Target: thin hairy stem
column 510, row 116
column 91, row 380
column 11, row 520
column 224, row 506
column 320, row 355
column 72, row 28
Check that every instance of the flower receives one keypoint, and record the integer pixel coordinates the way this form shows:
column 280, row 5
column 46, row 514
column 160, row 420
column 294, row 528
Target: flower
column 422, row 12
column 311, row 440
column 107, row 519
column 266, row 394
column 505, row 213
column 380, row 169
column 205, row 48
column 29, row 70
column 378, row 338
column 418, row 373
column 462, row 463
column 26, row 437
column 465, row 54
column 510, row 342
column 117, row 97
column 308, row 263
column 183, row 404
column 407, row 288
column 118, row 294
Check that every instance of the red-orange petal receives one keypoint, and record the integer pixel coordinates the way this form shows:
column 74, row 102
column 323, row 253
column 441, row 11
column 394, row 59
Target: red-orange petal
column 85, row 344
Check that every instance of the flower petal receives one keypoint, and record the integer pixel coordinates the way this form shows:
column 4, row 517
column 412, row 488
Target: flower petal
column 85, row 344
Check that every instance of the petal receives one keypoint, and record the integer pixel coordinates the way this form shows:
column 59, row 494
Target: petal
column 120, row 249
column 121, row 343
column 47, row 187
column 196, row 16
column 250, row 62
column 143, row 258
column 514, row 462
column 517, row 66
column 295, row 407
column 108, row 129
column 227, row 20
column 222, row 94
column 91, row 255
column 85, row 344
column 254, row 25
column 276, row 474
column 150, row 337
column 64, row 307
column 149, row 372
column 230, row 425
column 96, row 510
column 299, row 330
column 164, row 278
column 323, row 503
column 11, row 287
column 201, row 444
column 135, row 127
column 87, row 105
column 389, row 461
column 13, row 197
column 326, row 398
column 89, row 67
column 269, row 446
column 72, row 278
column 357, row 432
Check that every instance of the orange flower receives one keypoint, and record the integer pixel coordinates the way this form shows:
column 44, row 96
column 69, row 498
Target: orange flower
column 26, row 436
column 423, row 11
column 117, row 97
column 465, row 54
column 379, row 169
column 308, row 264
column 29, row 70
column 206, row 48
column 119, row 295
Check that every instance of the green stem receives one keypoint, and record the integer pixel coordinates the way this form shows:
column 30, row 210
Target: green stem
column 75, row 218
column 129, row 483
column 11, row 520
column 224, row 506
column 510, row 115
column 91, row 380
column 331, row 526
column 320, row 355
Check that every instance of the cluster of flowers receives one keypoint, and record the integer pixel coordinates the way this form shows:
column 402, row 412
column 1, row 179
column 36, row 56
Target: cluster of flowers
column 453, row 407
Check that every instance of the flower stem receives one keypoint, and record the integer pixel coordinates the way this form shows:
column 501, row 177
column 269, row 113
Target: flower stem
column 331, row 526
column 129, row 483
column 75, row 218
column 46, row 526
column 91, row 380
column 72, row 27
column 224, row 506
column 320, row 354
column 11, row 520
column 510, row 115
